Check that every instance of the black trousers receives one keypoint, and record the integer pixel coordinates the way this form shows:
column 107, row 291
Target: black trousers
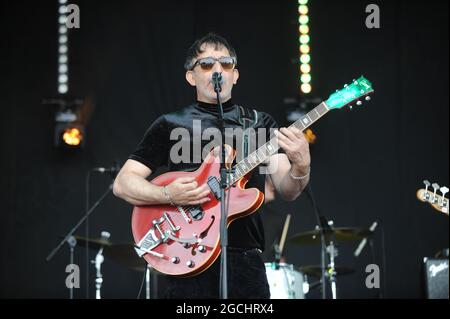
column 246, row 279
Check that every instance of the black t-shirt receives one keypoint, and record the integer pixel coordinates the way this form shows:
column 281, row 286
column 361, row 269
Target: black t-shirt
column 176, row 140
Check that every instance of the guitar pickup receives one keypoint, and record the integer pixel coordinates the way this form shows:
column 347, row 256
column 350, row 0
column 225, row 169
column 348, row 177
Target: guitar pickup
column 196, row 212
column 214, row 185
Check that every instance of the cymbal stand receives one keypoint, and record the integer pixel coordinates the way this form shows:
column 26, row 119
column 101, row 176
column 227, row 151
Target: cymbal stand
column 332, row 251
column 72, row 243
column 147, row 281
column 98, row 264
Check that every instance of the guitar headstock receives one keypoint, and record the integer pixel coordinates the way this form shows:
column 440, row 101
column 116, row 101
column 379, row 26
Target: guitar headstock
column 436, row 200
column 356, row 91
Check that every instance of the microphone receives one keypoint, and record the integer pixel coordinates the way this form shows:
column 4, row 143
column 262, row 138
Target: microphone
column 113, row 170
column 364, row 241
column 217, row 81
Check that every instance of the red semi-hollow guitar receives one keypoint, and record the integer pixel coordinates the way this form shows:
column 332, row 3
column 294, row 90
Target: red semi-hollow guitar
column 184, row 241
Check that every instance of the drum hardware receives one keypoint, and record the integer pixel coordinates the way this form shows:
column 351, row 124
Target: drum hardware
column 285, row 282
column 332, row 236
column 122, row 254
column 340, row 235
column 72, row 242
column 98, row 264
column 125, row 255
column 314, row 271
column 279, row 247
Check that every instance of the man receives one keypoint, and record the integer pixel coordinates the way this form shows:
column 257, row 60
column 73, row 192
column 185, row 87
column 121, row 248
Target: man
column 246, row 271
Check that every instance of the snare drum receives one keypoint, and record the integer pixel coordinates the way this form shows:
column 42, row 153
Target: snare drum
column 285, row 282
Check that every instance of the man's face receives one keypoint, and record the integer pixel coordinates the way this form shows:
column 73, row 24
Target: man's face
column 201, row 78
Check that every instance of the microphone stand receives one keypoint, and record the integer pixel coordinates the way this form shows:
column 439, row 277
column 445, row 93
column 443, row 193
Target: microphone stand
column 223, row 185
column 322, row 224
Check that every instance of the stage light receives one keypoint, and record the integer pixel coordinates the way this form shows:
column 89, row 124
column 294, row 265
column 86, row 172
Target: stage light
column 62, row 88
column 306, row 88
column 69, row 130
column 304, row 47
column 304, row 29
column 303, row 19
column 305, row 68
column 62, row 58
column 62, row 78
column 72, row 136
column 63, row 50
column 302, row 9
column 62, row 19
column 62, row 10
column 63, row 39
column 305, row 58
column 304, row 39
column 305, row 78
column 62, row 68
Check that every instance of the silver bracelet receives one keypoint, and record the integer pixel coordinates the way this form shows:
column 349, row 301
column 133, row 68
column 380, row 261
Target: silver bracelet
column 166, row 193
column 300, row 177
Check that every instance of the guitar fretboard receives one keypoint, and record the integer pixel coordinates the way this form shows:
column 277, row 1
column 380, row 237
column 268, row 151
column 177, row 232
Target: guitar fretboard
column 263, row 153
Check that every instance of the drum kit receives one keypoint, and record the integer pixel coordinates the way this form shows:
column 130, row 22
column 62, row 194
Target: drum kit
column 287, row 281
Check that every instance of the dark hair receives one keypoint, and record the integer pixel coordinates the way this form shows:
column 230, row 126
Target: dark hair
column 210, row 38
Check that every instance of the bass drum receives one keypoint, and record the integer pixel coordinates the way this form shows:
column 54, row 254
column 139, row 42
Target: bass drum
column 285, row 282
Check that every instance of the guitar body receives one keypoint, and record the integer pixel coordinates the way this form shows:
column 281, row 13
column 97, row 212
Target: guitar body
column 174, row 256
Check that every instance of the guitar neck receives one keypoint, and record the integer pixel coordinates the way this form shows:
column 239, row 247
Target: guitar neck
column 271, row 147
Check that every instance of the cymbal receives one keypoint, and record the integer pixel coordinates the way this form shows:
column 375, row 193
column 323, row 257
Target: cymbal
column 340, row 234
column 316, row 271
column 125, row 255
column 94, row 243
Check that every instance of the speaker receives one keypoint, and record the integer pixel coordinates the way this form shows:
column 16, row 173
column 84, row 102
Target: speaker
column 436, row 278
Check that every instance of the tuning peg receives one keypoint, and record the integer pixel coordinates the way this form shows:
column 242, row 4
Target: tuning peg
column 444, row 190
column 350, row 107
column 345, row 85
column 435, row 188
column 367, row 98
column 427, row 184
column 358, row 103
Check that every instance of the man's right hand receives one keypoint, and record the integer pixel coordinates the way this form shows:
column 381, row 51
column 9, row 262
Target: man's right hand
column 185, row 191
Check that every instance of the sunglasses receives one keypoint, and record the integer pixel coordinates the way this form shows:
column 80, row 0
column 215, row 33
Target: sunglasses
column 227, row 63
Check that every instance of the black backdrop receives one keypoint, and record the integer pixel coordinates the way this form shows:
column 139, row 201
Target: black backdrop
column 128, row 57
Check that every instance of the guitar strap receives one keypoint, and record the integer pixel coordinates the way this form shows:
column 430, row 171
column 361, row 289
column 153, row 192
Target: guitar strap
column 247, row 119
